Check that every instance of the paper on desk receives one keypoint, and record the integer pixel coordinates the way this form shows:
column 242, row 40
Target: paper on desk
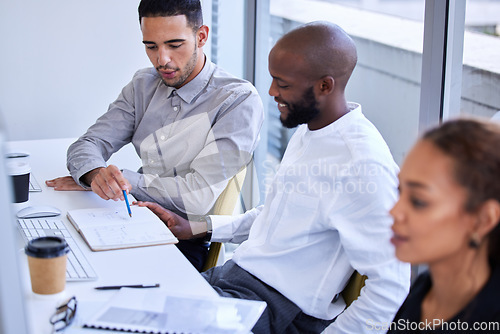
column 156, row 311
column 112, row 228
column 85, row 309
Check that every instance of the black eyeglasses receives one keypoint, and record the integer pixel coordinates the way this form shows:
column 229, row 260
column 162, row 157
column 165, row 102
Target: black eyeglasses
column 64, row 315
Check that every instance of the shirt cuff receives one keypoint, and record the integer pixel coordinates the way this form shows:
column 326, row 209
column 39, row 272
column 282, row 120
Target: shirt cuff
column 79, row 174
column 222, row 228
column 133, row 178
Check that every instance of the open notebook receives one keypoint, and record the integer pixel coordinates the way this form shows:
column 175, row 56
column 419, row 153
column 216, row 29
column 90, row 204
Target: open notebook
column 113, row 228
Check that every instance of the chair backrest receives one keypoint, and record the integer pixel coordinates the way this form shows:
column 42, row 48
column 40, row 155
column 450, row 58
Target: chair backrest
column 224, row 205
column 353, row 288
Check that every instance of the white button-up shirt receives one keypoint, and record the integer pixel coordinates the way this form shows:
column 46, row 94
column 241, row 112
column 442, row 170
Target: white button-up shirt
column 325, row 215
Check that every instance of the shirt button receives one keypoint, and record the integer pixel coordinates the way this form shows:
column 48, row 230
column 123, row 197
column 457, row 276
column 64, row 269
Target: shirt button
column 162, row 137
column 176, row 108
column 151, row 161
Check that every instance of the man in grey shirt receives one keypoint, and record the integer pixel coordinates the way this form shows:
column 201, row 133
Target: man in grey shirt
column 193, row 125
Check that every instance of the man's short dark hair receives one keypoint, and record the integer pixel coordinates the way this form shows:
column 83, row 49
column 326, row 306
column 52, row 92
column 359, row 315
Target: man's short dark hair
column 190, row 8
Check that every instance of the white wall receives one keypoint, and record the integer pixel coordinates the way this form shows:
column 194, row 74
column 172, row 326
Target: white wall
column 63, row 62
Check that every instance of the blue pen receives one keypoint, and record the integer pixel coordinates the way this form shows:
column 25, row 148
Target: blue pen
column 126, row 202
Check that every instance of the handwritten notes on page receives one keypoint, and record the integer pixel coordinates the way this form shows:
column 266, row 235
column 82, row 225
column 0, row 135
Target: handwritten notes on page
column 113, row 228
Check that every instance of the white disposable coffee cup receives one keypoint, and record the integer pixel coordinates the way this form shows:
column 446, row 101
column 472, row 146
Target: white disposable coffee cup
column 19, row 172
column 18, row 156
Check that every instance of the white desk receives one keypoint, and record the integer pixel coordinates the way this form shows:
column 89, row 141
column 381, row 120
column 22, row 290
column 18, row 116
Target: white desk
column 156, row 264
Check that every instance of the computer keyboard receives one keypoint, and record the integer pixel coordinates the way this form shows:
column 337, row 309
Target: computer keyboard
column 34, row 185
column 78, row 267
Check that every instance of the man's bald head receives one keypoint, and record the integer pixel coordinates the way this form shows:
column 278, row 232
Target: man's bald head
column 324, row 48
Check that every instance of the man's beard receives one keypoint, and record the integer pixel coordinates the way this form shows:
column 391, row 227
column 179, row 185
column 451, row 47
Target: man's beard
column 187, row 70
column 301, row 112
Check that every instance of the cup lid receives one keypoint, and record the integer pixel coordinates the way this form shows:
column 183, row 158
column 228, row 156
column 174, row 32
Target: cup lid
column 46, row 247
column 17, row 155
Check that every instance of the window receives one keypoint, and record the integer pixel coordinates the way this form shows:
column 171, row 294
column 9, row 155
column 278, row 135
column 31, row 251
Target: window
column 481, row 59
column 386, row 81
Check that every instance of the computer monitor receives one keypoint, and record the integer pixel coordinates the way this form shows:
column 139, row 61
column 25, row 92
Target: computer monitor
column 13, row 319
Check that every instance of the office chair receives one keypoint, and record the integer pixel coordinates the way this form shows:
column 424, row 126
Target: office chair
column 353, row 288
column 224, row 205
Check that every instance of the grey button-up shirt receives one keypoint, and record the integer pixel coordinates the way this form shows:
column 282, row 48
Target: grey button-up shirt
column 191, row 140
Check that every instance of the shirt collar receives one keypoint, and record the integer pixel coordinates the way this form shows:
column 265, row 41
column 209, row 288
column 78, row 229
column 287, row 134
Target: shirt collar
column 190, row 90
column 354, row 112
